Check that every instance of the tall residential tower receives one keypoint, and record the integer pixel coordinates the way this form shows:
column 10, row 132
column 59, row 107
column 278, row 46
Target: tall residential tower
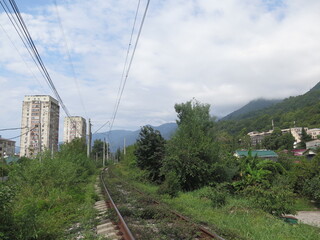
column 74, row 127
column 40, row 125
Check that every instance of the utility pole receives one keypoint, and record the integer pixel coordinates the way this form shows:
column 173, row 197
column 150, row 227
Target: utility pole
column 89, row 139
column 104, row 153
column 124, row 146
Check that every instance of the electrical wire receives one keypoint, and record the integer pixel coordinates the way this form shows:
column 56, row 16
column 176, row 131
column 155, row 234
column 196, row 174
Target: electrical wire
column 22, row 134
column 127, row 56
column 25, row 62
column 24, row 34
column 7, row 129
column 36, row 54
column 70, row 58
column 124, row 68
column 129, row 67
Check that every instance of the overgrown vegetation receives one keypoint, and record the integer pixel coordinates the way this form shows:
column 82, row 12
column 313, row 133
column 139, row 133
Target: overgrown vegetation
column 45, row 196
column 199, row 156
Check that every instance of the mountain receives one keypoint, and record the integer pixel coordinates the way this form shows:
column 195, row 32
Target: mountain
column 254, row 105
column 302, row 110
column 116, row 138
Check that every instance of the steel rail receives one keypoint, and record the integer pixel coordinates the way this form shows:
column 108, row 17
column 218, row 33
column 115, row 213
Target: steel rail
column 201, row 228
column 127, row 231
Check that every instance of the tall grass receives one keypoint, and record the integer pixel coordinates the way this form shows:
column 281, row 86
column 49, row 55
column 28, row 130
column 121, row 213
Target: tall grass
column 237, row 219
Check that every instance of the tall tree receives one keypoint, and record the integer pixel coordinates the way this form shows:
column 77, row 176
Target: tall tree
column 190, row 154
column 305, row 137
column 97, row 149
column 150, row 148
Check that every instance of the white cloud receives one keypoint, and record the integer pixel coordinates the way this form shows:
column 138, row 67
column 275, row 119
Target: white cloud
column 224, row 53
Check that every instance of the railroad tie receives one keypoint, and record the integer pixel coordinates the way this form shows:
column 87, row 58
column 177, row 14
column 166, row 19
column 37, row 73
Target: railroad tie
column 105, row 228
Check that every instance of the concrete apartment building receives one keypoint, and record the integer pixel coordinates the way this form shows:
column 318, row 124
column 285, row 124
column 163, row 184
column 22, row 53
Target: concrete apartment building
column 74, row 127
column 40, row 125
column 7, row 147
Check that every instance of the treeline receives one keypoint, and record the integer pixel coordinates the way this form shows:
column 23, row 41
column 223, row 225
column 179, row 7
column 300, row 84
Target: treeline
column 45, row 196
column 200, row 155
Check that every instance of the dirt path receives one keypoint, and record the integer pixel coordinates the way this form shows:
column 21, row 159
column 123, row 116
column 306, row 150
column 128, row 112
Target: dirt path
column 309, row 217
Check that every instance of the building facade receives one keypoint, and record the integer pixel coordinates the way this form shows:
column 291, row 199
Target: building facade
column 74, row 127
column 7, row 147
column 40, row 125
column 314, row 132
column 257, row 137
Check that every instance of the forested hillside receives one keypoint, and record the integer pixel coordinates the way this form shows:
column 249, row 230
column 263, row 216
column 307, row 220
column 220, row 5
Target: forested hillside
column 252, row 106
column 303, row 110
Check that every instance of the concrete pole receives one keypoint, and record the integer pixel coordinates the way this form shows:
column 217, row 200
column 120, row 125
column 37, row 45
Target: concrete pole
column 124, row 146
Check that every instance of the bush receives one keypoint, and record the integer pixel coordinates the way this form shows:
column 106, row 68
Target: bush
column 276, row 200
column 312, row 189
column 170, row 186
column 217, row 196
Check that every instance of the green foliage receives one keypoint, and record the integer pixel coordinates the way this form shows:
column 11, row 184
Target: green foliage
column 97, row 149
column 49, row 192
column 6, row 215
column 304, row 110
column 150, row 149
column 311, row 189
column 191, row 151
column 303, row 172
column 171, row 185
column 277, row 140
column 217, row 195
column 276, row 200
column 257, row 171
column 304, row 138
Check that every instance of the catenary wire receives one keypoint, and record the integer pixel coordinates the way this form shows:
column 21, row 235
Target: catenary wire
column 35, row 56
column 129, row 66
column 127, row 56
column 22, row 37
column 22, row 58
column 70, row 58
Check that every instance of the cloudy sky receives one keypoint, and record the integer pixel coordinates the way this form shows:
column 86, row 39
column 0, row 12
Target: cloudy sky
column 224, row 53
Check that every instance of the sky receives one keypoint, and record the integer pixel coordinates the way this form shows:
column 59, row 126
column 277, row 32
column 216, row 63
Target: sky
column 224, row 53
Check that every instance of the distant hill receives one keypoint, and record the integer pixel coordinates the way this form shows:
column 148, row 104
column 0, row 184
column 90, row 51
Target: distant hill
column 117, row 137
column 302, row 110
column 254, row 105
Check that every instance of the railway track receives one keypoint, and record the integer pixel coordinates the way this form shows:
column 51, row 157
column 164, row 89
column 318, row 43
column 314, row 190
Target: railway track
column 140, row 217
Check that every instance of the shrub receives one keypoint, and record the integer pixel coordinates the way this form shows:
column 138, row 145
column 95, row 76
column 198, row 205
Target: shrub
column 312, row 189
column 170, row 186
column 276, row 200
column 217, row 196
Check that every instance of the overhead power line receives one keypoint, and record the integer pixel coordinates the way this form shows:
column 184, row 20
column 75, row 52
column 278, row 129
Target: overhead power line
column 22, row 134
column 25, row 36
column 8, row 129
column 70, row 58
column 130, row 63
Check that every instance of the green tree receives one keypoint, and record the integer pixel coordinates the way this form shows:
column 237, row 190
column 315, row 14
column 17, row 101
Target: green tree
column 304, row 138
column 191, row 152
column 97, row 149
column 278, row 140
column 150, row 149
